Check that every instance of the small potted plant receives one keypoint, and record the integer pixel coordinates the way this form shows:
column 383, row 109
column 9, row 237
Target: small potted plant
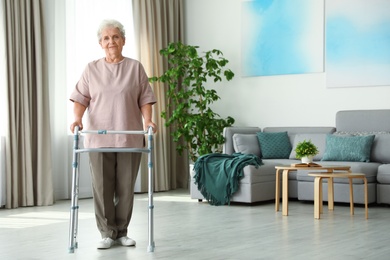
column 305, row 151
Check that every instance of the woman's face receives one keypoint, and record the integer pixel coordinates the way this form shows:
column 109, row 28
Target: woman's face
column 112, row 41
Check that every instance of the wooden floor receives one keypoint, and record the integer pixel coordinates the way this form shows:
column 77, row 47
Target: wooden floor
column 186, row 229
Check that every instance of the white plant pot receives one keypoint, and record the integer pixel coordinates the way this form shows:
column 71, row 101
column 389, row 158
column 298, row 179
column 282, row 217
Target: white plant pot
column 307, row 159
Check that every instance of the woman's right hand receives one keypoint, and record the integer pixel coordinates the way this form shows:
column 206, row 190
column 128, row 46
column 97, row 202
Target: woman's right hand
column 78, row 111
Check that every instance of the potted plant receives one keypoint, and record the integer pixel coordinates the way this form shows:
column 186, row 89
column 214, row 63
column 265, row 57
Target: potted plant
column 195, row 126
column 305, row 151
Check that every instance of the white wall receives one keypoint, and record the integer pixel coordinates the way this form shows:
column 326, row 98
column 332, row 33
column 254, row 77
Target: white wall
column 287, row 100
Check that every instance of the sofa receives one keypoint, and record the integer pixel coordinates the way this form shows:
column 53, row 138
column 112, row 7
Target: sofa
column 359, row 139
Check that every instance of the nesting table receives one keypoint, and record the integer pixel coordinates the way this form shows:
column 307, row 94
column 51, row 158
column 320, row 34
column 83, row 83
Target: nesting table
column 319, row 176
column 286, row 169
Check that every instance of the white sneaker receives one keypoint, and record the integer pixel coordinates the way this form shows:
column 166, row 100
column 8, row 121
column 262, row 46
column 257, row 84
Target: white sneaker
column 125, row 241
column 106, row 243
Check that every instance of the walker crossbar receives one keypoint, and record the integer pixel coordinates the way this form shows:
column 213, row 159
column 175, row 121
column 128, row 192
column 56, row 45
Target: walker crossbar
column 104, row 132
column 73, row 224
column 116, row 150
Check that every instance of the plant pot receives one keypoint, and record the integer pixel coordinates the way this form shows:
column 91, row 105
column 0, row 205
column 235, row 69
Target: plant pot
column 307, row 159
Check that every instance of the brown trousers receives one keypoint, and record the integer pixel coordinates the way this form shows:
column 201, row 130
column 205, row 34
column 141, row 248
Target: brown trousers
column 113, row 180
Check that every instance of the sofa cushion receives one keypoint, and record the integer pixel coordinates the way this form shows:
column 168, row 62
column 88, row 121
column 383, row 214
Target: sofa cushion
column 380, row 148
column 348, row 148
column 246, row 144
column 318, row 140
column 274, row 145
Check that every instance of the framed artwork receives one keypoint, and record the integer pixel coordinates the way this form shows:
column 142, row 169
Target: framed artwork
column 357, row 43
column 282, row 37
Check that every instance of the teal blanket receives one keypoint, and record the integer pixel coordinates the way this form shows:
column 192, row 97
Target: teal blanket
column 218, row 175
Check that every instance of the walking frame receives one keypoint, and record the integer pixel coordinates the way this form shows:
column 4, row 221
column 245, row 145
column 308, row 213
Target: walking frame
column 73, row 224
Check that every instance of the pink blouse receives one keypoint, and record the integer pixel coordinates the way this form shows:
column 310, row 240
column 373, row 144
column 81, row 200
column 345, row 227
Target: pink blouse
column 113, row 94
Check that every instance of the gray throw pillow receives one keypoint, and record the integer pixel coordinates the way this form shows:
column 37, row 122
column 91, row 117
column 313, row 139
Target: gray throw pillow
column 246, row 144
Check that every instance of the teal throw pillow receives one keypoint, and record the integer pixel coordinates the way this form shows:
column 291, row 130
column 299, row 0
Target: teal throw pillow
column 274, row 145
column 348, row 148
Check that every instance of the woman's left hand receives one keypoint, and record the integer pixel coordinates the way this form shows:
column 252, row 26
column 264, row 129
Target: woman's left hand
column 148, row 124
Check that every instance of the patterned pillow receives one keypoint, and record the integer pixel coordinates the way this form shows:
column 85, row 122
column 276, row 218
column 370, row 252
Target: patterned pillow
column 380, row 147
column 274, row 145
column 348, row 148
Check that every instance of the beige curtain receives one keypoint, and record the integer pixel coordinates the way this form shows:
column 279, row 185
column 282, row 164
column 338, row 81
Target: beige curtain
column 29, row 176
column 156, row 24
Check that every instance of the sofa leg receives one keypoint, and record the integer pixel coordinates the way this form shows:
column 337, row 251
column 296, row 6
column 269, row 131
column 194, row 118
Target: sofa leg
column 200, row 200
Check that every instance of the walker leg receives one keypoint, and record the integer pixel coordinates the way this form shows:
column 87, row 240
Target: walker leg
column 150, row 190
column 74, row 198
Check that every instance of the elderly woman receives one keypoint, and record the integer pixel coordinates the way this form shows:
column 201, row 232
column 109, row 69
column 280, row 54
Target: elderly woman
column 116, row 91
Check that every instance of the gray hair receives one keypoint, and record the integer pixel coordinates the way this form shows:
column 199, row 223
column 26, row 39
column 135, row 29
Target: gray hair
column 108, row 24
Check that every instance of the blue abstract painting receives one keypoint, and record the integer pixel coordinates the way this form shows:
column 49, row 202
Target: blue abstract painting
column 357, row 43
column 282, row 37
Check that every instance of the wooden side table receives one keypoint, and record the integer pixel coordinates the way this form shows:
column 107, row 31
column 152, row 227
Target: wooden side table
column 319, row 176
column 286, row 169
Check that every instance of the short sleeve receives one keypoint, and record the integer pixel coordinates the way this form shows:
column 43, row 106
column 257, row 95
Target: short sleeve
column 81, row 94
